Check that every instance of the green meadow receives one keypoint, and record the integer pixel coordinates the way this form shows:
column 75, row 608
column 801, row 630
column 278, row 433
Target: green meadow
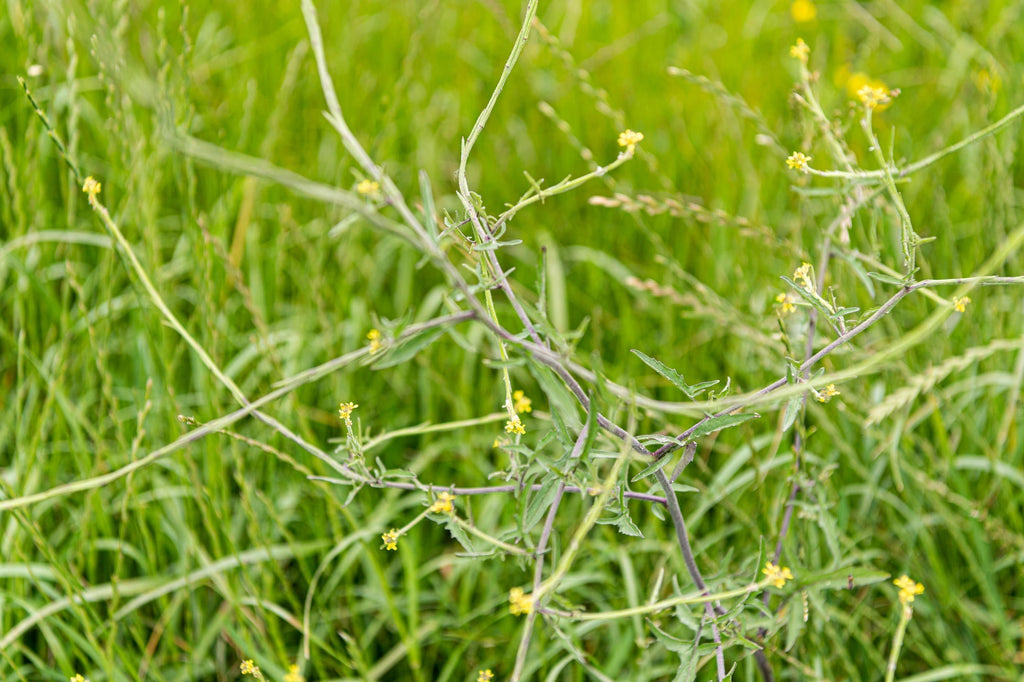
column 509, row 340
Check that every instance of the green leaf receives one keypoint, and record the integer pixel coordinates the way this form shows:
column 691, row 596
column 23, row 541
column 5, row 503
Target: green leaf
column 560, row 400
column 675, row 377
column 843, row 579
column 539, row 503
column 626, row 526
column 792, row 411
column 408, row 348
column 462, row 537
column 888, row 279
column 718, row 423
column 651, row 469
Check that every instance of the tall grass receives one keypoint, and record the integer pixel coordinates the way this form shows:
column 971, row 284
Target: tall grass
column 425, row 212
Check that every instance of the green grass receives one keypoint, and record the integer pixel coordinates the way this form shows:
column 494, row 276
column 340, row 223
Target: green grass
column 229, row 546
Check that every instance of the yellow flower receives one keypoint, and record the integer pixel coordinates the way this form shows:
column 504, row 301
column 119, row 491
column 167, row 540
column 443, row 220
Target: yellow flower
column 827, row 393
column 368, row 188
column 960, row 304
column 800, row 50
column 345, row 410
column 374, row 338
column 802, row 276
column 249, row 668
column 485, row 676
column 786, row 303
column 803, row 11
column 515, row 426
column 522, row 402
column 443, row 504
column 390, row 540
column 986, row 81
column 873, row 96
column 629, row 140
column 92, row 188
column 798, row 161
column 79, row 678
column 293, row 675
column 519, row 603
column 908, row 588
column 777, row 576
column 499, row 442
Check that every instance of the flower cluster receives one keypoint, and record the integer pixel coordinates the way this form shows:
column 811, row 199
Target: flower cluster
column 515, row 425
column 373, row 336
column 250, row 668
column 79, row 678
column 803, row 11
column 776, row 575
column 345, row 411
column 801, row 50
column 787, row 303
column 390, row 540
column 92, row 188
column 443, row 504
column 960, row 304
column 522, row 404
column 293, row 674
column 485, row 676
column 827, row 393
column 873, row 96
column 803, row 276
column 908, row 589
column 798, row 161
column 629, row 139
column 519, row 602
column 369, row 188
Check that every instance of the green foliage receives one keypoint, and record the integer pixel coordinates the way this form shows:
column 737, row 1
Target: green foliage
column 178, row 493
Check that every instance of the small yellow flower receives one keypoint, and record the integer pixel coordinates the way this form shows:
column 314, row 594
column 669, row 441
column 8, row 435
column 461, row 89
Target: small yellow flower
column 798, row 161
column 443, row 504
column 873, row 96
column 803, row 11
column 368, row 188
column 250, row 668
column 523, row 404
column 515, row 426
column 485, row 676
column 802, row 276
column 777, row 576
column 92, row 188
column 908, row 588
column 987, row 81
column 293, row 675
column 373, row 336
column 345, row 410
column 390, row 540
column 519, row 603
column 960, row 304
column 787, row 303
column 500, row 442
column 629, row 139
column 79, row 678
column 827, row 393
column 800, row 50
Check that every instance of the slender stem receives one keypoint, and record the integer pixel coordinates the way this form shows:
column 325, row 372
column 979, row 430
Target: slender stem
column 897, row 641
